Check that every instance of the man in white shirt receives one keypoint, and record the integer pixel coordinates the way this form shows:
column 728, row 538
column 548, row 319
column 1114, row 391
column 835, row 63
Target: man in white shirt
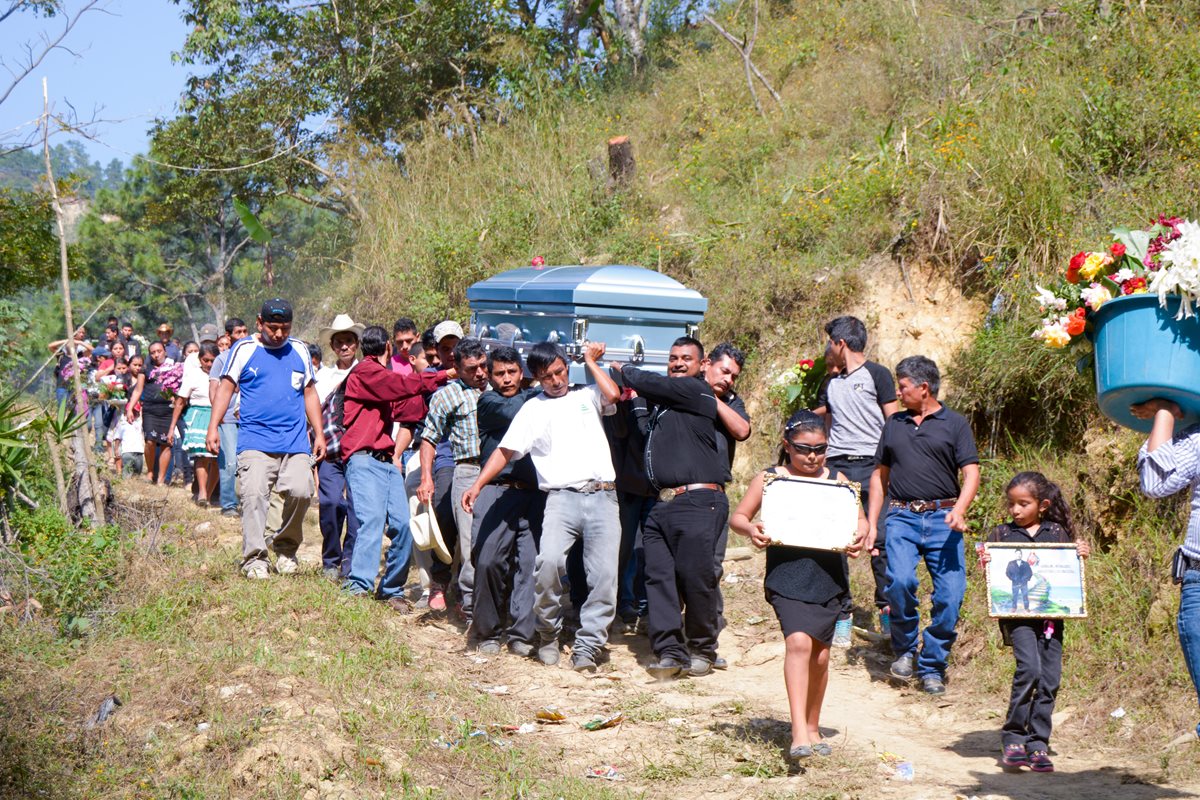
column 561, row 431
column 335, row 504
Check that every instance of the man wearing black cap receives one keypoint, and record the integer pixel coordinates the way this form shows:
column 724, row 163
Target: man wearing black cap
column 273, row 374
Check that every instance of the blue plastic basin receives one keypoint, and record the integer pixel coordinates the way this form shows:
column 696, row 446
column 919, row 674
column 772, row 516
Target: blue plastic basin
column 1143, row 352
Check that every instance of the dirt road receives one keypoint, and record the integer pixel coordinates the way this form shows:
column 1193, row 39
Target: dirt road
column 723, row 735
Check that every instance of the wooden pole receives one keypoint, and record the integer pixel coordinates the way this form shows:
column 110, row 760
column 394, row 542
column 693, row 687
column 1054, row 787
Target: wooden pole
column 89, row 504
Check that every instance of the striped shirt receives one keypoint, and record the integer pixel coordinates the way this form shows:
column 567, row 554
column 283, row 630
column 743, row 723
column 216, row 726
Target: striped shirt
column 1173, row 466
column 452, row 408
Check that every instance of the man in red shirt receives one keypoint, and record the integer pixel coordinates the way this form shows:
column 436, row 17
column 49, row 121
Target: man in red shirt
column 373, row 392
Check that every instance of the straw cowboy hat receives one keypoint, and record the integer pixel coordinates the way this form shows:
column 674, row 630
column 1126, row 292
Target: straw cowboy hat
column 341, row 324
column 425, row 531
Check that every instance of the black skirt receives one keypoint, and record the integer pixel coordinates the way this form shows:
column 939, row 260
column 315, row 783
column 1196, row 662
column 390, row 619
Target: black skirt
column 815, row 619
column 155, row 426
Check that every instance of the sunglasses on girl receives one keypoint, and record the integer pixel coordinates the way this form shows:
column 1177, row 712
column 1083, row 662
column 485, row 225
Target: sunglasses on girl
column 808, row 449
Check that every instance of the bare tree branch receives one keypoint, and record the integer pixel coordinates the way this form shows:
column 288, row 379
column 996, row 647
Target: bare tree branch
column 744, row 48
column 49, row 45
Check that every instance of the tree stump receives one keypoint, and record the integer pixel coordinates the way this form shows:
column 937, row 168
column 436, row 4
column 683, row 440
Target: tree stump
column 621, row 164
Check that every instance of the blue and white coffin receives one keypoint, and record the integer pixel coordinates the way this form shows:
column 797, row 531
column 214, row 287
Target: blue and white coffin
column 636, row 312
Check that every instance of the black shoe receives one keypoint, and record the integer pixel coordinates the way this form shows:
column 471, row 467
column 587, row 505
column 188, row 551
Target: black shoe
column 700, row 667
column 665, row 669
column 720, row 663
column 902, row 667
column 583, row 662
column 933, row 684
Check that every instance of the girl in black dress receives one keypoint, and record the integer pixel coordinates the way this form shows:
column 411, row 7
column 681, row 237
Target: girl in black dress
column 805, row 587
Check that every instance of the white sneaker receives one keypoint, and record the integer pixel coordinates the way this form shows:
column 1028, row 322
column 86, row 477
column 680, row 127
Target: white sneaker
column 257, row 571
column 286, row 565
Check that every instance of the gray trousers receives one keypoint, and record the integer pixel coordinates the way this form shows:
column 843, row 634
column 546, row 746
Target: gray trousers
column 464, row 476
column 289, row 474
column 508, row 522
column 570, row 517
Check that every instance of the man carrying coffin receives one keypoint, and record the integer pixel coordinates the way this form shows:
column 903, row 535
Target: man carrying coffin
column 685, row 464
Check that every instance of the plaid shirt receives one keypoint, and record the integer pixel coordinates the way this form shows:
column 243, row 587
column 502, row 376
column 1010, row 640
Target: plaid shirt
column 452, row 408
column 1173, row 466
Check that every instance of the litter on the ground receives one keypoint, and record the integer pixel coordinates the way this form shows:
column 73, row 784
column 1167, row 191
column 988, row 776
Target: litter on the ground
column 756, row 620
column 498, row 689
column 107, row 706
column 600, row 723
column 605, row 772
column 203, row 726
column 549, row 715
column 1118, row 712
column 527, row 727
column 675, row 721
column 896, row 766
column 732, row 579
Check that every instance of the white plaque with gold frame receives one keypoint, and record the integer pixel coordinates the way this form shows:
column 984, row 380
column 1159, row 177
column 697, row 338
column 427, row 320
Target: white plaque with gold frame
column 810, row 512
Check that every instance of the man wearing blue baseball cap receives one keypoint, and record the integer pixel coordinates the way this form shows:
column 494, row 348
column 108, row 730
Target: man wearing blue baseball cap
column 274, row 376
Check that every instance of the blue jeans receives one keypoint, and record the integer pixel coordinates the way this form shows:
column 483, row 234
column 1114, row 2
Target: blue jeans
column 569, row 517
column 227, row 465
column 911, row 537
column 381, row 505
column 631, row 590
column 1188, row 625
column 102, row 420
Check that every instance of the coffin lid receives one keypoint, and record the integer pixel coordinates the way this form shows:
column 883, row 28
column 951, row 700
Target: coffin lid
column 614, row 286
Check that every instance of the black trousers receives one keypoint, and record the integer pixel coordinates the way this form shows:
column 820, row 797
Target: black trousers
column 1035, row 682
column 860, row 471
column 680, row 538
column 443, row 512
column 506, row 526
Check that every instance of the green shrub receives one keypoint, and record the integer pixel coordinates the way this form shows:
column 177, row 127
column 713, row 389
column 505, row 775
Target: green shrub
column 70, row 571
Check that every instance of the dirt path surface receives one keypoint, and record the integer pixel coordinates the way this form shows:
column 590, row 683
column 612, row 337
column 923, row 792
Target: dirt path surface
column 724, row 735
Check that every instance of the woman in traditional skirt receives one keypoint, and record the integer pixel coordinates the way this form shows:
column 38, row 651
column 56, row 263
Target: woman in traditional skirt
column 805, row 587
column 193, row 396
column 156, row 414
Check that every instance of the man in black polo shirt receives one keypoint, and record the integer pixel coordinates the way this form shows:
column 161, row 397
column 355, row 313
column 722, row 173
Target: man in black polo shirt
column 684, row 463
column 721, row 370
column 921, row 452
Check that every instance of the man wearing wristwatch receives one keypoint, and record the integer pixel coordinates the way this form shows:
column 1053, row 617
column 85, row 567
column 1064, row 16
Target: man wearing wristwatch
column 921, row 452
column 684, row 462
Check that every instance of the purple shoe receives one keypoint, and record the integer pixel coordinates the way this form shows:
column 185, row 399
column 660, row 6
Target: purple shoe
column 1014, row 756
column 1039, row 761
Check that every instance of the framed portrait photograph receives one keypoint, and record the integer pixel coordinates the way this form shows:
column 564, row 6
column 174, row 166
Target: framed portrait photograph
column 810, row 512
column 1035, row 580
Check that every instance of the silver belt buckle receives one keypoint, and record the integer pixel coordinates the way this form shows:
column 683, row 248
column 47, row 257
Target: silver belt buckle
column 666, row 495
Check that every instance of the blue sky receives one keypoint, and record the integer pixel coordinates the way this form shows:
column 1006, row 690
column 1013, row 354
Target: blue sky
column 120, row 69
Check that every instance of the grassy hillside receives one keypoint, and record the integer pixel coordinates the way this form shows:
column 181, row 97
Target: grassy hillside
column 983, row 141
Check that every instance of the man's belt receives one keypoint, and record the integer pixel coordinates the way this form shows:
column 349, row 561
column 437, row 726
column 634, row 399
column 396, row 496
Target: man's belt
column 592, row 486
column 923, row 506
column 509, row 483
column 380, row 455
column 852, row 458
column 669, row 494
column 474, row 460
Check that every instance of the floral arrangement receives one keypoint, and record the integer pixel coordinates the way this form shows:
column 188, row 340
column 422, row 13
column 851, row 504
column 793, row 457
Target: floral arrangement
column 169, row 376
column 112, row 389
column 798, row 386
column 1164, row 259
column 68, row 370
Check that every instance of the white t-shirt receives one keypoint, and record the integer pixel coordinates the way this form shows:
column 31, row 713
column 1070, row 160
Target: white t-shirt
column 194, row 387
column 564, row 437
column 329, row 378
column 132, row 440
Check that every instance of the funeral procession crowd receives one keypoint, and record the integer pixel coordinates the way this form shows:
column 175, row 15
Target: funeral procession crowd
column 538, row 512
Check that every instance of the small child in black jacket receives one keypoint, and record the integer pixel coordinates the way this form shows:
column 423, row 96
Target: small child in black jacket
column 1039, row 516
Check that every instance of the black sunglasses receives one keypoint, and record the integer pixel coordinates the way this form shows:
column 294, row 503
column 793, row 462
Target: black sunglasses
column 805, row 449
